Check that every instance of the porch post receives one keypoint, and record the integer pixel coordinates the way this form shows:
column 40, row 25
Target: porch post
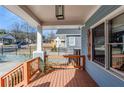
column 39, row 51
column 39, row 38
column 82, row 31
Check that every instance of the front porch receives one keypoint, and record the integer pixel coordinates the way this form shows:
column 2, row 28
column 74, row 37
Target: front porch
column 75, row 70
column 72, row 72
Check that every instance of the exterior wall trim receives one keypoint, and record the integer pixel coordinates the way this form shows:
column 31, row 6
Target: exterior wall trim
column 98, row 6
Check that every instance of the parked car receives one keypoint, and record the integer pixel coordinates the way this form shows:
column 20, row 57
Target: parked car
column 21, row 43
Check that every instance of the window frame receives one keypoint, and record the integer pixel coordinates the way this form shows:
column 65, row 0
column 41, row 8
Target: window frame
column 72, row 41
column 92, row 41
column 89, row 44
column 107, row 48
column 121, row 74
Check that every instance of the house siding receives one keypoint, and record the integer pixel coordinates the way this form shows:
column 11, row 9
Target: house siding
column 77, row 42
column 64, row 35
column 103, row 77
column 100, row 13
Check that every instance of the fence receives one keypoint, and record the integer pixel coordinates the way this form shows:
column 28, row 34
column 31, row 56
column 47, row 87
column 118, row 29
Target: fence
column 14, row 50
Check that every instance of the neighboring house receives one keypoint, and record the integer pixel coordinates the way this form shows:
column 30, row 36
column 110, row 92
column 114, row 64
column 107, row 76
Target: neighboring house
column 6, row 39
column 70, row 38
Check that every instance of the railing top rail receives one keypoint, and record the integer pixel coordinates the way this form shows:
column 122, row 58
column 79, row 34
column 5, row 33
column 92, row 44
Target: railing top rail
column 64, row 56
column 117, row 55
column 31, row 60
column 11, row 71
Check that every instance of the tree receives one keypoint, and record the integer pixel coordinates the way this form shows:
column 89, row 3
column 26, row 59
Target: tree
column 51, row 36
column 2, row 31
column 23, row 32
column 16, row 28
column 30, row 35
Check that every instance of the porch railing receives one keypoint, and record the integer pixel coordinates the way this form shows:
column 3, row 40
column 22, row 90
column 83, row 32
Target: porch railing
column 21, row 75
column 24, row 73
column 65, row 61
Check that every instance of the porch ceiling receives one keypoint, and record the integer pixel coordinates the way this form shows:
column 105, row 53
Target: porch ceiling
column 74, row 14
column 45, row 14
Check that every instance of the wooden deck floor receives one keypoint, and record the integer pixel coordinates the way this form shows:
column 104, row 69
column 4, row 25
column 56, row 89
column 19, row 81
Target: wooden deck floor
column 64, row 78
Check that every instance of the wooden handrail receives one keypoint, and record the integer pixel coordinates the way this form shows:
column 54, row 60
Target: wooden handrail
column 9, row 76
column 27, row 70
column 20, row 75
column 67, row 56
column 36, row 69
column 1, row 82
column 117, row 55
column 64, row 56
column 10, row 72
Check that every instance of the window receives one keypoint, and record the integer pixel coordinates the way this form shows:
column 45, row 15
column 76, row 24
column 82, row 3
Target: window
column 114, row 51
column 71, row 41
column 116, row 43
column 98, row 45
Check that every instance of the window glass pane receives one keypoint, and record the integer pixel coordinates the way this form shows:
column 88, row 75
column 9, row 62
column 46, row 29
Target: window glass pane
column 71, row 41
column 117, row 43
column 98, row 44
column 118, row 29
column 117, row 57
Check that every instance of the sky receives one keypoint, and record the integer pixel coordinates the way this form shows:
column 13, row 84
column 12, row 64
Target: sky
column 7, row 19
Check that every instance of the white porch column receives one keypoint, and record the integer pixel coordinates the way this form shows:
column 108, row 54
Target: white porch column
column 39, row 39
column 39, row 52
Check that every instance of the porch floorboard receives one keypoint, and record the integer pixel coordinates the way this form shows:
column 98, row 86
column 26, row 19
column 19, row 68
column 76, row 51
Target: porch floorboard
column 64, row 78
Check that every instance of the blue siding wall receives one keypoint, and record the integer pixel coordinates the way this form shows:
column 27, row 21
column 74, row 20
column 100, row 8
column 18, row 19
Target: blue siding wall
column 100, row 13
column 99, row 74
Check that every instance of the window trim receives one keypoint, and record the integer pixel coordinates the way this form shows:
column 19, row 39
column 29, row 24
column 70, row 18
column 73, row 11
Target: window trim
column 89, row 44
column 120, row 74
column 103, row 65
column 72, row 39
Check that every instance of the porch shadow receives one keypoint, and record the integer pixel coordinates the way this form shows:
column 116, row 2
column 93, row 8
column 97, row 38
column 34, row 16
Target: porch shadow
column 81, row 79
column 46, row 84
column 40, row 75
